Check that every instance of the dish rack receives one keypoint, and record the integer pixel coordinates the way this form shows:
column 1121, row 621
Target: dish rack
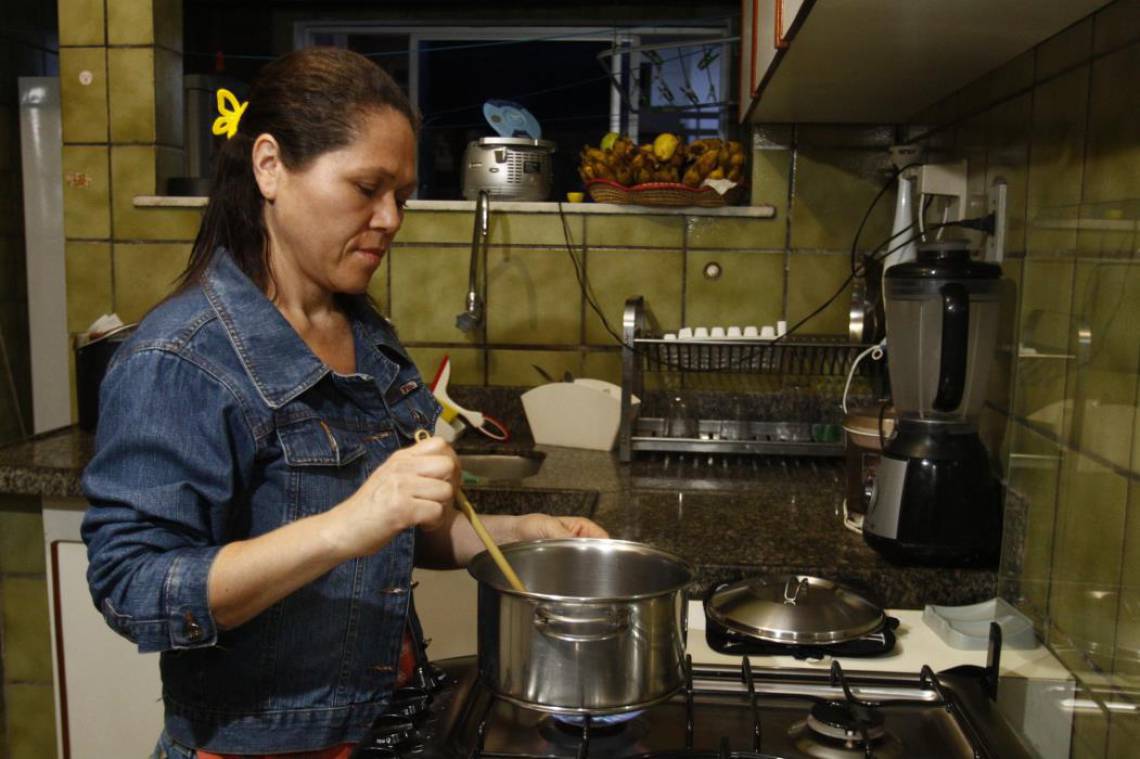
column 725, row 368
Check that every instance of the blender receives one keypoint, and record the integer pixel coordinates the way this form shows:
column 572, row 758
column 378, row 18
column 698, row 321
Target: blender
column 936, row 499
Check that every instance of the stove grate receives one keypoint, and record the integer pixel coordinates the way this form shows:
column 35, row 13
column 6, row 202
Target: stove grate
column 927, row 679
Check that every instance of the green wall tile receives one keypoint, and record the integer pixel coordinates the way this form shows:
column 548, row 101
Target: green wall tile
column 1103, row 382
column 31, row 721
column 1086, row 567
column 429, row 287
column 1056, row 158
column 615, row 275
column 21, row 535
column 516, row 367
column 1090, row 730
column 27, row 633
column 1008, row 158
column 621, row 230
column 535, row 229
column 168, row 24
column 1069, row 48
column 1033, row 476
column 132, row 174
column 750, row 289
column 603, row 365
column 1117, row 24
column 378, row 288
column 145, row 273
column 1112, row 163
column 130, row 22
column 86, row 192
column 83, row 93
column 1045, row 324
column 1012, row 77
column 130, row 74
column 729, row 232
column 89, row 289
column 466, row 364
column 812, row 279
column 81, row 22
column 771, row 177
column 833, row 190
column 533, row 296
column 1127, row 664
column 437, row 227
column 1123, row 735
column 845, row 135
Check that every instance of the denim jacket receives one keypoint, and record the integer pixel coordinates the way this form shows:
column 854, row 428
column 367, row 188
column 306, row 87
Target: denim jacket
column 217, row 423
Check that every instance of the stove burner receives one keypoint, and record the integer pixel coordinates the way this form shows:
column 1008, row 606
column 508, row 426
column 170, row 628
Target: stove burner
column 846, row 722
column 610, row 734
column 838, row 729
column 598, row 722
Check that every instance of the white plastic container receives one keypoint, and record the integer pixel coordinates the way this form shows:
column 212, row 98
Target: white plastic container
column 585, row 413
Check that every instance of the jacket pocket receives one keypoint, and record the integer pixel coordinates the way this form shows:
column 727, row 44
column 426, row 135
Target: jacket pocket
column 314, row 442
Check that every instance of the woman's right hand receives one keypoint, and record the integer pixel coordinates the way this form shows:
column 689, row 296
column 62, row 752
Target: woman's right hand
column 414, row 487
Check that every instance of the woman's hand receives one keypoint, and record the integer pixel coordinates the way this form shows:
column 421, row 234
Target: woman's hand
column 543, row 526
column 414, row 487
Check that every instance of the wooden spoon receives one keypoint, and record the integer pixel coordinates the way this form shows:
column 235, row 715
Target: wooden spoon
column 464, row 505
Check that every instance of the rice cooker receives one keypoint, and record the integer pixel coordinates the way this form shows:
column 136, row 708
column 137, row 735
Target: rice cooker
column 510, row 168
column 516, row 164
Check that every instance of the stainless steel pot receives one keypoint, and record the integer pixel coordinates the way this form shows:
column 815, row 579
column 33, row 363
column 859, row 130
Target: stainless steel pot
column 600, row 630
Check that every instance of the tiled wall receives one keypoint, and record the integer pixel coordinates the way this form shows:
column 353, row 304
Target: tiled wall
column 27, row 48
column 1060, row 123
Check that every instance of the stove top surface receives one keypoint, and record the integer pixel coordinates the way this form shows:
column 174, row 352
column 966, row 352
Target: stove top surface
column 723, row 712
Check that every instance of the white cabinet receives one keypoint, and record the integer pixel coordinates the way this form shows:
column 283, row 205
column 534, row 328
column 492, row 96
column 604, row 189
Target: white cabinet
column 882, row 61
column 108, row 697
column 446, row 602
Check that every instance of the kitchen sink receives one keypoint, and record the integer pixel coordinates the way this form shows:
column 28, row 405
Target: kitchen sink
column 501, row 467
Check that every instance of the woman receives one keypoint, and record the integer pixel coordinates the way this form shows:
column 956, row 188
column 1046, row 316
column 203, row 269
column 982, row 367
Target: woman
column 257, row 500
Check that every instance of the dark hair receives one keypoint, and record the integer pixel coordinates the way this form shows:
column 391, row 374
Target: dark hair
column 311, row 101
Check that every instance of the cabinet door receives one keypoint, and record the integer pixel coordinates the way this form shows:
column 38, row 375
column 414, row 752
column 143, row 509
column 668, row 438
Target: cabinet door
column 109, row 696
column 447, row 602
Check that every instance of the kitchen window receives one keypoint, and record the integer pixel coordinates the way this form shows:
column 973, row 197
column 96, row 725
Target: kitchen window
column 579, row 83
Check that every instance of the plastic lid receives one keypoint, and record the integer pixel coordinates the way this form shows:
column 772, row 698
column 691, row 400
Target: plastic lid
column 511, row 119
column 793, row 609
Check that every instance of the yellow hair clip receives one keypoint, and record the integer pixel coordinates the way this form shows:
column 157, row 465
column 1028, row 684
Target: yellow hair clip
column 231, row 111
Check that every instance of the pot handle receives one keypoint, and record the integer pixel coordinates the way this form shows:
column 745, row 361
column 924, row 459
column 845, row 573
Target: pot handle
column 613, row 622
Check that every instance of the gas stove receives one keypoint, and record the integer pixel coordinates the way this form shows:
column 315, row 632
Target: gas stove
column 734, row 712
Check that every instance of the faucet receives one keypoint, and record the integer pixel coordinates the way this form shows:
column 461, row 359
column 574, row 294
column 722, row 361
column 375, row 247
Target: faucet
column 472, row 316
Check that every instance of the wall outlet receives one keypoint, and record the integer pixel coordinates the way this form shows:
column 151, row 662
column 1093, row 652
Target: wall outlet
column 945, row 179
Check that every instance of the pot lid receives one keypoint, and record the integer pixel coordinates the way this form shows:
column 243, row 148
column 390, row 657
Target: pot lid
column 793, row 609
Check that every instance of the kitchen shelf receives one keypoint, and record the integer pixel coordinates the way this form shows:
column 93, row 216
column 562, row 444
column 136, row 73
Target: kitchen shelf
column 509, row 206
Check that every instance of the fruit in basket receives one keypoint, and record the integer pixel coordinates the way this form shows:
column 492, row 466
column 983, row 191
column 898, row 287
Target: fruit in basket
column 666, row 159
column 665, row 146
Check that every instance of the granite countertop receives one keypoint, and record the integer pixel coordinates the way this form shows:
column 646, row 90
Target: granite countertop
column 731, row 517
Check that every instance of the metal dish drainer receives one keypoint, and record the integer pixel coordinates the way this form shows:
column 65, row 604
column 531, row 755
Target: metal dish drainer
column 725, row 365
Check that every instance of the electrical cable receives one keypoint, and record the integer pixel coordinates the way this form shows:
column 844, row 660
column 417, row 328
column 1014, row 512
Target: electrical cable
column 591, row 298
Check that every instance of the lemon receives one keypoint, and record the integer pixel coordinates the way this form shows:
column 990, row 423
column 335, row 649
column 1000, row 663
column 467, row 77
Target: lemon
column 609, row 140
column 665, row 146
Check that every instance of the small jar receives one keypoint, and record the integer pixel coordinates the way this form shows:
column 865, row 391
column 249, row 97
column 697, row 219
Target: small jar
column 864, row 438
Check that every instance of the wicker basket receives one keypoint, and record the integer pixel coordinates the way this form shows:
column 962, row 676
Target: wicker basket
column 661, row 194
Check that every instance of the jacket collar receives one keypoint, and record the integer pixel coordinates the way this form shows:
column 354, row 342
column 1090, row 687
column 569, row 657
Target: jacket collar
column 278, row 362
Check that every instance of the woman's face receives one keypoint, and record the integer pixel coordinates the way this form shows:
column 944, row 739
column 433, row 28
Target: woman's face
column 331, row 222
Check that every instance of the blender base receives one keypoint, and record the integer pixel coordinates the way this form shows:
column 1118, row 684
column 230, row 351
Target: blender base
column 936, row 500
